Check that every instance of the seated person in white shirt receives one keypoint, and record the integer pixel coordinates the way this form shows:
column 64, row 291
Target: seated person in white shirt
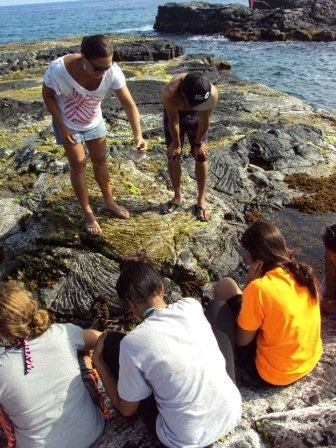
column 74, row 86
column 169, row 368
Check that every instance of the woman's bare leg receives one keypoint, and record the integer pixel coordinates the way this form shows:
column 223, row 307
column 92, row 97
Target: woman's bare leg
column 97, row 150
column 77, row 163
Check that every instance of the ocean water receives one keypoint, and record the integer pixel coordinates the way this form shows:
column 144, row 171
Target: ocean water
column 307, row 70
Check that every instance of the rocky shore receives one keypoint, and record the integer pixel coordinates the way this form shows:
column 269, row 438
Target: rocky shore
column 259, row 139
column 270, row 20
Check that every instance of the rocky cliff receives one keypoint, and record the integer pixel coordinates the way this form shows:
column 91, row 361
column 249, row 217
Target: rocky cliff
column 258, row 140
column 272, row 20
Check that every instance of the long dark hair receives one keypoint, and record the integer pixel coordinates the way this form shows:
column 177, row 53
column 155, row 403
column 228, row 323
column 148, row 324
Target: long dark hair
column 138, row 281
column 96, row 46
column 265, row 242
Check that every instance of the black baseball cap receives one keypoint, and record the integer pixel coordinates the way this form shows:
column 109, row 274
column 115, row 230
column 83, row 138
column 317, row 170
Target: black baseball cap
column 198, row 91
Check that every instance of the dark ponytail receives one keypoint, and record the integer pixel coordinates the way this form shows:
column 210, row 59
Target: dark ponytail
column 303, row 274
column 138, row 281
column 265, row 242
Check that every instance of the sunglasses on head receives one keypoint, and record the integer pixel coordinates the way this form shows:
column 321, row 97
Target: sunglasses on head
column 96, row 68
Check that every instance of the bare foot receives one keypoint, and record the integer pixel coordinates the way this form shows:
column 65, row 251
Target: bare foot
column 115, row 210
column 92, row 225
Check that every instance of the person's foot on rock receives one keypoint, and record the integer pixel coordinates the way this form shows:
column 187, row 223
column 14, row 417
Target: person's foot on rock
column 170, row 207
column 116, row 211
column 202, row 212
column 91, row 225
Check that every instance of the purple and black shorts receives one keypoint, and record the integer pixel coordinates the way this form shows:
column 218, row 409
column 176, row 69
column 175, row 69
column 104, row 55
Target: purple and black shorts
column 188, row 122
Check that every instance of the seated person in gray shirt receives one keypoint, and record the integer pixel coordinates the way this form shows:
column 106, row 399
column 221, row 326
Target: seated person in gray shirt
column 169, row 368
column 43, row 399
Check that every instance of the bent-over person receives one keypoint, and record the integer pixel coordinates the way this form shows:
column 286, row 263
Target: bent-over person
column 188, row 101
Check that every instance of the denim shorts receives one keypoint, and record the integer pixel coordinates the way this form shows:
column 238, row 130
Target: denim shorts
column 82, row 136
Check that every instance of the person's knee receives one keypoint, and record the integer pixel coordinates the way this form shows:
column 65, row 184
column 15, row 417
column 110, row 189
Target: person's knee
column 99, row 162
column 225, row 289
column 77, row 166
column 201, row 159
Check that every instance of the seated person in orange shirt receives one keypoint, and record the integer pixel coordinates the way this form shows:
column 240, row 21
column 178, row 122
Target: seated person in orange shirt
column 278, row 326
column 329, row 295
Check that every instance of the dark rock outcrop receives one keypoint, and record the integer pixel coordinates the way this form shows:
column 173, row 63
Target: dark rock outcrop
column 149, row 49
column 300, row 20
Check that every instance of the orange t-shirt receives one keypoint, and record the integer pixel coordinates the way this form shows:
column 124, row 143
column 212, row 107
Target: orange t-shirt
column 288, row 319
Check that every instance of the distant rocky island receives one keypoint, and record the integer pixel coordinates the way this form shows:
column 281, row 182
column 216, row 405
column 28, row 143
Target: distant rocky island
column 269, row 20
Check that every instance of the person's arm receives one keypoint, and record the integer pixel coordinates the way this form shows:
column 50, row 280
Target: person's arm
column 126, row 408
column 90, row 337
column 244, row 337
column 132, row 113
column 203, row 125
column 174, row 150
column 251, row 315
column 202, row 128
column 49, row 99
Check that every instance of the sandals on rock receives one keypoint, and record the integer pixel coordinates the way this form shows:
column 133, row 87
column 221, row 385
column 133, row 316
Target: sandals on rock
column 201, row 213
column 170, row 207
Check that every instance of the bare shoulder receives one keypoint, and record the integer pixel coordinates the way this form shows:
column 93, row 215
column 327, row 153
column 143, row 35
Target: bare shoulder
column 69, row 59
column 214, row 92
column 169, row 93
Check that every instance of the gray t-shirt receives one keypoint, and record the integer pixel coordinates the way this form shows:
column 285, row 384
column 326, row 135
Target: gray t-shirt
column 50, row 407
column 175, row 355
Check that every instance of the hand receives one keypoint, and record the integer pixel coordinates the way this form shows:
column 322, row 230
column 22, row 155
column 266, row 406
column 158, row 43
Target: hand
column 254, row 271
column 201, row 152
column 97, row 356
column 174, row 151
column 140, row 143
column 67, row 136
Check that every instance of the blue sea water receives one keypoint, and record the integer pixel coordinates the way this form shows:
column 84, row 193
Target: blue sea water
column 307, row 70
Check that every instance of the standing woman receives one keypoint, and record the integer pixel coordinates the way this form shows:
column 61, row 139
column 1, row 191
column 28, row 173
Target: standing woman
column 73, row 89
column 278, row 326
